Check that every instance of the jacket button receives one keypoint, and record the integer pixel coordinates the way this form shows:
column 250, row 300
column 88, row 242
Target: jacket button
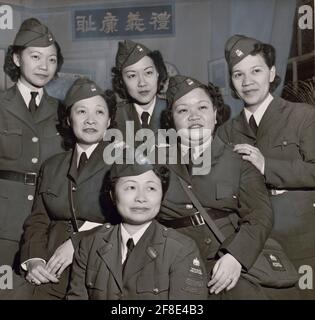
column 189, row 206
column 313, row 205
column 156, row 290
column 89, row 284
column 30, row 197
column 207, row 241
column 74, row 188
column 35, row 139
column 189, row 187
column 234, row 196
column 34, row 160
column 284, row 142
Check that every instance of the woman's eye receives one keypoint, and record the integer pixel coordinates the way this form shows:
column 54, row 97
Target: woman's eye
column 256, row 70
column 151, row 189
column 53, row 60
column 237, row 75
column 35, row 57
column 130, row 188
column 181, row 111
column 130, row 76
column 204, row 107
column 100, row 112
column 149, row 72
column 81, row 111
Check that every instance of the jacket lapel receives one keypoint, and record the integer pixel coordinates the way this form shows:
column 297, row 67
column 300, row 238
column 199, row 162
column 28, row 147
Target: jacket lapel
column 15, row 104
column 110, row 252
column 241, row 125
column 155, row 122
column 94, row 164
column 272, row 115
column 46, row 108
column 147, row 249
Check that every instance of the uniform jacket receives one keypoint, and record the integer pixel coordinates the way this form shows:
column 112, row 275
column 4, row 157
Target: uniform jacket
column 49, row 224
column 25, row 142
column 163, row 265
column 234, row 186
column 127, row 112
column 286, row 138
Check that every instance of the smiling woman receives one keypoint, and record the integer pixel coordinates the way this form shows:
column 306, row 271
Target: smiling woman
column 28, row 134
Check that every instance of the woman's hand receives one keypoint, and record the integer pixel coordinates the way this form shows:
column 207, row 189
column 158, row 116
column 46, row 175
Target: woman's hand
column 225, row 274
column 61, row 259
column 251, row 154
column 37, row 273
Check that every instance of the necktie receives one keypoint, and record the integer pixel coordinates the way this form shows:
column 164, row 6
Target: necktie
column 82, row 162
column 130, row 246
column 189, row 162
column 32, row 106
column 145, row 119
column 253, row 124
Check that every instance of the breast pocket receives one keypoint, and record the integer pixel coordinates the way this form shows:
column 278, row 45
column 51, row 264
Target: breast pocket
column 11, row 143
column 288, row 147
column 153, row 285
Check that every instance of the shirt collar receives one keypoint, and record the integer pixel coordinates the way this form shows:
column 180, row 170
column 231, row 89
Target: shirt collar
column 139, row 109
column 259, row 113
column 125, row 236
column 26, row 93
column 88, row 151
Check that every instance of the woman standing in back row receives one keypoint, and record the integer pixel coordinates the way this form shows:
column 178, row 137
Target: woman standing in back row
column 28, row 134
column 278, row 138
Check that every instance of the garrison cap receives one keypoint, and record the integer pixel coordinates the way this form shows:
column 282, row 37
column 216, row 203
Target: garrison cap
column 141, row 164
column 130, row 52
column 33, row 33
column 237, row 48
column 82, row 88
column 178, row 86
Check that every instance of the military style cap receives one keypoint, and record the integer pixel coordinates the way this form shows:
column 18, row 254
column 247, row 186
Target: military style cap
column 178, row 86
column 141, row 165
column 82, row 88
column 130, row 52
column 33, row 33
column 237, row 48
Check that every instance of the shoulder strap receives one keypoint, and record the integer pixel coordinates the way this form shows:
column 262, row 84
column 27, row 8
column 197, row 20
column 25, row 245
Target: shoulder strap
column 211, row 224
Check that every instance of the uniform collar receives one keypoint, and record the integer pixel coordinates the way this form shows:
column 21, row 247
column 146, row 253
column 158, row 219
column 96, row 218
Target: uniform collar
column 88, row 151
column 139, row 109
column 259, row 113
column 26, row 93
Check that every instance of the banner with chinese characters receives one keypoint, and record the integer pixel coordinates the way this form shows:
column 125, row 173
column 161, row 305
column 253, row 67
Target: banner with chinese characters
column 123, row 22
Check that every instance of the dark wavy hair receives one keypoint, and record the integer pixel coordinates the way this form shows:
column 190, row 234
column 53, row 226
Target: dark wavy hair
column 223, row 110
column 268, row 53
column 118, row 82
column 65, row 130
column 13, row 71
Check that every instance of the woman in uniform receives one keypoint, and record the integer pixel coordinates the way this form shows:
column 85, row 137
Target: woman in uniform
column 230, row 189
column 28, row 134
column 69, row 196
column 278, row 138
column 138, row 77
column 138, row 258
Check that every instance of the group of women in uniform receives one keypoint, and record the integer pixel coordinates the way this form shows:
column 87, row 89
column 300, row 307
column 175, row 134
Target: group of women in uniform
column 58, row 193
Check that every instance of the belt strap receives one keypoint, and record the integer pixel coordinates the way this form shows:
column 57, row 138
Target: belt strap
column 194, row 220
column 211, row 224
column 28, row 178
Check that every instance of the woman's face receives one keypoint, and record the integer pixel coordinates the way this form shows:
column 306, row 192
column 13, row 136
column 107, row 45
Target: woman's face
column 89, row 119
column 194, row 117
column 37, row 65
column 141, row 80
column 251, row 78
column 138, row 198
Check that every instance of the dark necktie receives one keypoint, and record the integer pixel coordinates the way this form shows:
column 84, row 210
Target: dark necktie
column 145, row 119
column 253, row 124
column 82, row 162
column 188, row 160
column 32, row 106
column 130, row 246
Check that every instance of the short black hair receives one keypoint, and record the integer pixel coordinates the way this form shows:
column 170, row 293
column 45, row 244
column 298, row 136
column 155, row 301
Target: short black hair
column 268, row 53
column 118, row 82
column 14, row 72
column 223, row 110
column 65, row 130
